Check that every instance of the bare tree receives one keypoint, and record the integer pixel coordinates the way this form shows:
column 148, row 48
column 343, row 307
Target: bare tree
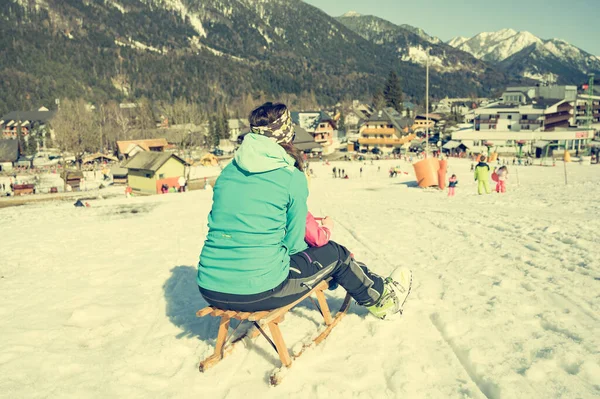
column 74, row 128
column 122, row 120
column 145, row 120
column 183, row 112
column 105, row 125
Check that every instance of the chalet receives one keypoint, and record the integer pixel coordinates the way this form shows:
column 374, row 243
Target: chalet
column 129, row 148
column 422, row 122
column 319, row 125
column 119, row 174
column 384, row 131
column 9, row 153
column 237, row 127
column 28, row 121
column 357, row 115
column 148, row 171
column 98, row 158
column 303, row 141
column 72, row 178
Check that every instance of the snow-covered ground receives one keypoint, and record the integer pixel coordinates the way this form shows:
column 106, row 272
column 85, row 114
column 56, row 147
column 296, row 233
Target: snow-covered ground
column 100, row 302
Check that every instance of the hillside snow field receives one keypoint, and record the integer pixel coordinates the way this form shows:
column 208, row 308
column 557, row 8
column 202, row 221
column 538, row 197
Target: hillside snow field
column 100, row 302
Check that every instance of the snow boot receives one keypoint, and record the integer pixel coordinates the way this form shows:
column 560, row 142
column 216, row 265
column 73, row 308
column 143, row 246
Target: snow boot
column 395, row 291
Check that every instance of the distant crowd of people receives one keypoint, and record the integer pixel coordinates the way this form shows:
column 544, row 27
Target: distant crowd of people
column 341, row 173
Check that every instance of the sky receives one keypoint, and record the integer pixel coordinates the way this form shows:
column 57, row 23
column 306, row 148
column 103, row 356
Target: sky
column 575, row 21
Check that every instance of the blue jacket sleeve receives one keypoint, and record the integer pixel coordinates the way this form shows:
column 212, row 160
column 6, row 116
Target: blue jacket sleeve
column 296, row 214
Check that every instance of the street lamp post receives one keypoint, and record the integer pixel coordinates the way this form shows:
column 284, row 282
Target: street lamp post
column 427, row 104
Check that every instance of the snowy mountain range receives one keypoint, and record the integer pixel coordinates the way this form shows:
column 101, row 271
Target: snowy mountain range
column 216, row 50
column 527, row 55
column 411, row 44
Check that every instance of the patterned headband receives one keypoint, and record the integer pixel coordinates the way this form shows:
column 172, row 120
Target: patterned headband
column 280, row 130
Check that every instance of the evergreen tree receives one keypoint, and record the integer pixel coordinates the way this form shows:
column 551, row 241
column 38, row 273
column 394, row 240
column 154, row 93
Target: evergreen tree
column 31, row 146
column 224, row 120
column 215, row 131
column 22, row 143
column 341, row 126
column 392, row 92
column 48, row 140
column 378, row 100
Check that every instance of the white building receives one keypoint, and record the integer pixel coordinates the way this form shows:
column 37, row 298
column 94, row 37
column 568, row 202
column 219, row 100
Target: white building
column 526, row 120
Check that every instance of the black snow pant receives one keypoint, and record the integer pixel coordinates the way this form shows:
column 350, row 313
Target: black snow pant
column 307, row 269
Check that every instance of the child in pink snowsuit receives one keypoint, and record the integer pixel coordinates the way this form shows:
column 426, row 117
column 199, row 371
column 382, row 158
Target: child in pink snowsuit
column 502, row 176
column 316, row 235
column 452, row 186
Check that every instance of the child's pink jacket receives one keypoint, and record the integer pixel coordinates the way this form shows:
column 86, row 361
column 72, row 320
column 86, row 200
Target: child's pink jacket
column 316, row 235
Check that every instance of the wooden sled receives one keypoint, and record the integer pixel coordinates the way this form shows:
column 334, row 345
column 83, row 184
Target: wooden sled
column 271, row 319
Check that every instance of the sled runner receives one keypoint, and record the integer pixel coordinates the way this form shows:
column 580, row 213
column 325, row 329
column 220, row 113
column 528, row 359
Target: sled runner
column 270, row 319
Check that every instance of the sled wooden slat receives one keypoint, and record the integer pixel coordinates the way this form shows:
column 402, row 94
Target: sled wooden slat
column 205, row 312
column 270, row 319
column 209, row 310
column 256, row 316
column 242, row 315
column 230, row 313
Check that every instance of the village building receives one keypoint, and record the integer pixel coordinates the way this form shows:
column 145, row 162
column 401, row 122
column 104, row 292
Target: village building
column 148, row 171
column 30, row 122
column 357, row 115
column 72, row 178
column 9, row 154
column 580, row 116
column 425, row 122
column 305, row 142
column 119, row 174
column 319, row 125
column 527, row 120
column 129, row 148
column 98, row 158
column 237, row 127
column 408, row 109
column 384, row 132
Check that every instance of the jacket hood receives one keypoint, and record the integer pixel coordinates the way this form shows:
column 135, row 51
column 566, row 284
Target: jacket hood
column 259, row 154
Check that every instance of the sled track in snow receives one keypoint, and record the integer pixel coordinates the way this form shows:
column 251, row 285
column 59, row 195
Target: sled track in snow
column 488, row 388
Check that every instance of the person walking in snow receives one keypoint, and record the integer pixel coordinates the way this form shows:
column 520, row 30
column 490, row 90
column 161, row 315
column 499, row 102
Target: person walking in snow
column 502, row 174
column 255, row 256
column 482, row 176
column 182, row 184
column 452, row 185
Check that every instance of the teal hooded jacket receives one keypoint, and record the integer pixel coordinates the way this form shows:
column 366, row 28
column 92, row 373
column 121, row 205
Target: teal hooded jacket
column 258, row 219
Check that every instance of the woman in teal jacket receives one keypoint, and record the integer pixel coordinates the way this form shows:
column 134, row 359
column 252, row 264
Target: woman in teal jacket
column 255, row 257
